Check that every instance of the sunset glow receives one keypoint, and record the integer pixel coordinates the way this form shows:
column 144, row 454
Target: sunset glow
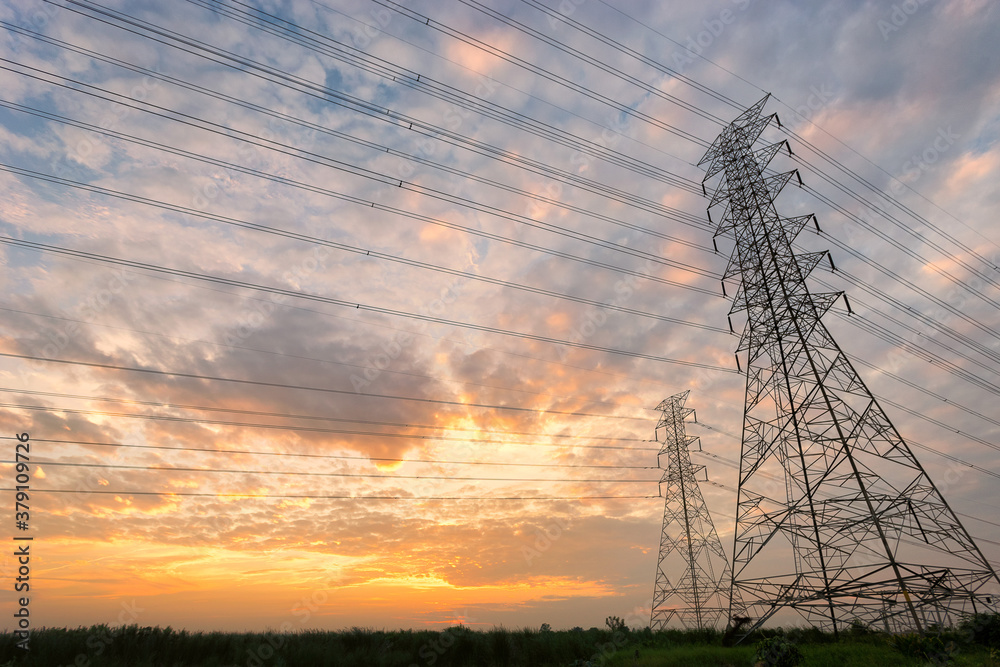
column 338, row 315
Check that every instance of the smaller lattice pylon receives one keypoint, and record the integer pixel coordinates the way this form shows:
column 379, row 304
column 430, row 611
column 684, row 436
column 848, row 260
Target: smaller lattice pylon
column 693, row 577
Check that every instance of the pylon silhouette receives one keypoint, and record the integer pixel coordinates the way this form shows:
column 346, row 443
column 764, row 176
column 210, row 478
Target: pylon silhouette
column 835, row 517
column 692, row 572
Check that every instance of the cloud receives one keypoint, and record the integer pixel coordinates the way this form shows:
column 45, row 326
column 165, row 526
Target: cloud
column 346, row 171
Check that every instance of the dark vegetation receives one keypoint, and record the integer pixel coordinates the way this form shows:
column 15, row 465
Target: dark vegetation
column 976, row 642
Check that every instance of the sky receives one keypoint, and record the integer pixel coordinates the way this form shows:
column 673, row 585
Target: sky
column 389, row 277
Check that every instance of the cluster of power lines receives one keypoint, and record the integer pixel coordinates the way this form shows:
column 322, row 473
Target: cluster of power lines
column 886, row 316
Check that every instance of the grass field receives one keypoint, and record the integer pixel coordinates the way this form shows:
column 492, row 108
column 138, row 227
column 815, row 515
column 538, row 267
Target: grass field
column 825, row 655
column 133, row 646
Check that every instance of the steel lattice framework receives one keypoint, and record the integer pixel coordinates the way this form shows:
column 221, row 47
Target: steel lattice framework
column 835, row 517
column 699, row 597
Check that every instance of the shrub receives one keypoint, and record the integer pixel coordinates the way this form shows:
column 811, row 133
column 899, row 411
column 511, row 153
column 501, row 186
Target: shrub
column 777, row 652
column 859, row 629
column 736, row 627
column 982, row 629
column 615, row 624
column 931, row 648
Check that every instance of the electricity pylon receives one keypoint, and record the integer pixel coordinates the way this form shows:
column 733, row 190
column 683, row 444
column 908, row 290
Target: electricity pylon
column 689, row 546
column 835, row 517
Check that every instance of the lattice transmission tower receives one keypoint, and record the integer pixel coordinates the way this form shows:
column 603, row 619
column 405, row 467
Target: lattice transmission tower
column 835, row 517
column 690, row 549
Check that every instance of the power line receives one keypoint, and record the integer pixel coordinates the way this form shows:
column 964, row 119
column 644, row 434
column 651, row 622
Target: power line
column 910, row 285
column 885, row 237
column 84, row 84
column 596, row 34
column 300, row 473
column 549, row 40
column 339, row 363
column 859, row 361
column 922, row 352
column 439, row 26
column 345, row 457
column 262, row 413
column 967, row 516
column 265, row 72
column 316, row 496
column 982, row 441
column 601, row 65
column 400, row 75
column 329, row 390
column 802, row 140
column 853, row 320
column 41, row 247
column 892, row 200
column 911, row 443
column 898, row 341
column 894, row 404
column 906, row 250
column 924, row 390
column 403, row 185
column 304, row 429
column 349, row 248
column 300, row 153
column 910, row 232
column 828, row 179
column 910, row 411
column 914, row 413
column 484, row 77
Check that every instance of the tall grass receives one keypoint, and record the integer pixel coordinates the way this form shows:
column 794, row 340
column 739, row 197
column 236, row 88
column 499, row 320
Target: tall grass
column 135, row 646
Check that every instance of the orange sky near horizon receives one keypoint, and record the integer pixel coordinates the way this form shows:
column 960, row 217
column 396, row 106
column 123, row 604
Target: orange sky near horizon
column 313, row 344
